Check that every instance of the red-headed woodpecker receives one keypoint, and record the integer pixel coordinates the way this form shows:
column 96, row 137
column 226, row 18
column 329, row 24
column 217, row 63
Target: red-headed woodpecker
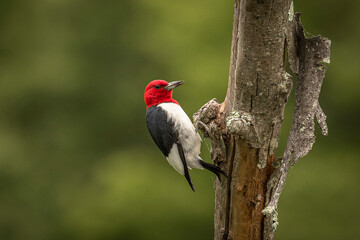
column 172, row 130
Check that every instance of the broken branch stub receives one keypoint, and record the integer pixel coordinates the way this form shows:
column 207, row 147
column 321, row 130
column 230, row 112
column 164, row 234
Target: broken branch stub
column 242, row 124
column 208, row 121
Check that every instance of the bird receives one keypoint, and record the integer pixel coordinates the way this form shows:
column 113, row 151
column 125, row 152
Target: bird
column 172, row 130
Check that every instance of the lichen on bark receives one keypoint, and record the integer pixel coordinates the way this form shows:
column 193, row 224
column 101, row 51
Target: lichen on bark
column 244, row 130
column 306, row 56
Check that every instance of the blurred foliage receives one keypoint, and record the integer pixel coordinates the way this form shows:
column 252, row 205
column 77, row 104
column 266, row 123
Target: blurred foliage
column 76, row 160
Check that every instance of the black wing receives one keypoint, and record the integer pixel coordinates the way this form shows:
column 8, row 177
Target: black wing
column 161, row 130
column 163, row 134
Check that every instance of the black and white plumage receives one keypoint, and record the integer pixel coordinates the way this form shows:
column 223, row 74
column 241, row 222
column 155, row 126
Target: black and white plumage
column 176, row 137
column 172, row 130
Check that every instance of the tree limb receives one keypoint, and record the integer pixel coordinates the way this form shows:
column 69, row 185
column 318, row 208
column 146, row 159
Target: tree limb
column 306, row 63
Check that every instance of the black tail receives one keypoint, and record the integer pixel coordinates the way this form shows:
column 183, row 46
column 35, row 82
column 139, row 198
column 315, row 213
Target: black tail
column 186, row 170
column 213, row 168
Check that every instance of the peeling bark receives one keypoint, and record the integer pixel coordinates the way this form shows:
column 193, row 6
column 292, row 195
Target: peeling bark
column 307, row 65
column 244, row 130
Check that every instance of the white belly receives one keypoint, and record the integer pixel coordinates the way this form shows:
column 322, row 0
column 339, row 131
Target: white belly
column 188, row 137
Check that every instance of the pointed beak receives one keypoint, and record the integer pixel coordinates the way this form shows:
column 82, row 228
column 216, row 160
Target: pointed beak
column 173, row 85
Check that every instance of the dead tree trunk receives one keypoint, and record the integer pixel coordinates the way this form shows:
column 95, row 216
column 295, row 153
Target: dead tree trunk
column 244, row 130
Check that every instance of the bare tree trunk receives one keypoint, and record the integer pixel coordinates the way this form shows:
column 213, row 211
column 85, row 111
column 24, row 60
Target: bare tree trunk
column 244, row 130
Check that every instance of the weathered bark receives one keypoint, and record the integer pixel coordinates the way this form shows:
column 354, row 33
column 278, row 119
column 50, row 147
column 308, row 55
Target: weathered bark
column 244, row 130
column 305, row 62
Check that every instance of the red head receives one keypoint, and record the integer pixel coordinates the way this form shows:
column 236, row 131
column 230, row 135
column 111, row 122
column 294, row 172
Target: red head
column 159, row 91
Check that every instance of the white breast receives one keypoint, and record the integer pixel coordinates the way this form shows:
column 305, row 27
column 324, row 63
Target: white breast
column 188, row 137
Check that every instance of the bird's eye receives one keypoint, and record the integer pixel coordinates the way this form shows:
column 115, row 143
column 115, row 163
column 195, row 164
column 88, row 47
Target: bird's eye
column 157, row 86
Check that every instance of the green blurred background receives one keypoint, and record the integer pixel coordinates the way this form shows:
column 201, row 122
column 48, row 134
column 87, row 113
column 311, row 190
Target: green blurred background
column 76, row 160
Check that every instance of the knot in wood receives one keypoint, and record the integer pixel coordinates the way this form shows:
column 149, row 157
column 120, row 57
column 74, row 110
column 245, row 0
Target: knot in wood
column 242, row 124
column 239, row 123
